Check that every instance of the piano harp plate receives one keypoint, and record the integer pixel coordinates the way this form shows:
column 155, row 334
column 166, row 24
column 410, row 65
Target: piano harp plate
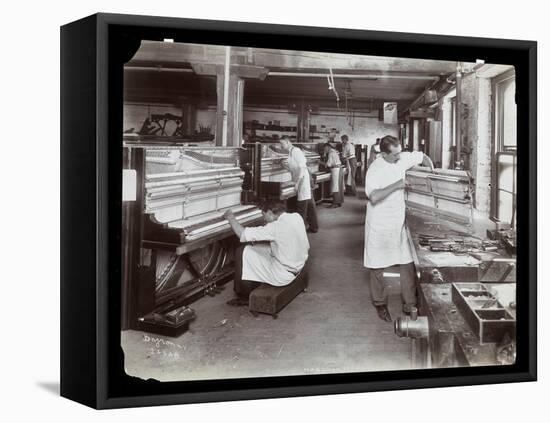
column 443, row 192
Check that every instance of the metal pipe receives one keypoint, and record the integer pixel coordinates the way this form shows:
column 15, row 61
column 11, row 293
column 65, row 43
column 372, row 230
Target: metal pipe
column 227, row 71
column 367, row 76
column 257, row 169
column 158, row 69
column 373, row 77
column 411, row 327
column 458, row 115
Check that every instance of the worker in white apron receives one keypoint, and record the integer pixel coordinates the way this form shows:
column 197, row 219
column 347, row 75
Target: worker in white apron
column 274, row 253
column 374, row 152
column 386, row 241
column 297, row 165
column 348, row 154
column 335, row 165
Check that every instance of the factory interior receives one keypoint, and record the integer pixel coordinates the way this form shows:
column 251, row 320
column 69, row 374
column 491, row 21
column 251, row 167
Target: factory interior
column 202, row 130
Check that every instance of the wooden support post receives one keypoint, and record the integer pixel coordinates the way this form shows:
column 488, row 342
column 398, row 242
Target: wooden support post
column 229, row 122
column 189, row 113
column 303, row 122
column 235, row 111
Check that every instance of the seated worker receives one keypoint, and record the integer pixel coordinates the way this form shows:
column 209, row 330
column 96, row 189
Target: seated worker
column 334, row 164
column 279, row 255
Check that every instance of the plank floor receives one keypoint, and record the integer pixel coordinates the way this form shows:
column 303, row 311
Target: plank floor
column 331, row 328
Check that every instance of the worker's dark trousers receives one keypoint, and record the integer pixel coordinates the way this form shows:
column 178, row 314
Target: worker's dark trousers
column 242, row 288
column 337, row 198
column 352, row 169
column 308, row 211
column 378, row 289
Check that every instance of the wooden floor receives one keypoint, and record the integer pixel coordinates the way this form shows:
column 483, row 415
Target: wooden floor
column 331, row 328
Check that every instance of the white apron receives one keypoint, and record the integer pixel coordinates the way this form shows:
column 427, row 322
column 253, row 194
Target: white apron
column 260, row 265
column 334, row 163
column 386, row 241
column 335, row 179
column 278, row 261
column 297, row 165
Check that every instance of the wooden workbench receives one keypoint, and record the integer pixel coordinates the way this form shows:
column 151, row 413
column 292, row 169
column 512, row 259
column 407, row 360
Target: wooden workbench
column 451, row 342
column 437, row 267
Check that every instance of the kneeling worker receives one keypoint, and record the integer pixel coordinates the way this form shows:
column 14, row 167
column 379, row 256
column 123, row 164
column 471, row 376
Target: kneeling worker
column 279, row 255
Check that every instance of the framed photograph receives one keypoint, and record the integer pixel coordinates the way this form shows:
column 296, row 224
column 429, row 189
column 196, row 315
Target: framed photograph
column 256, row 211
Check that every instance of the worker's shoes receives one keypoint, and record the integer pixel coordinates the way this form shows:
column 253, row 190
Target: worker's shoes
column 407, row 309
column 383, row 313
column 237, row 302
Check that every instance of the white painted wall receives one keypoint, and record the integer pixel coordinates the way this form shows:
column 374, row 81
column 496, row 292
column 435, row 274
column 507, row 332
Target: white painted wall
column 366, row 128
column 265, row 115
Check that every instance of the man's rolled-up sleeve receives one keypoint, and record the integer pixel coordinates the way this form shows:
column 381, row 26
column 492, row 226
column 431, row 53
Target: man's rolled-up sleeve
column 259, row 233
column 372, row 183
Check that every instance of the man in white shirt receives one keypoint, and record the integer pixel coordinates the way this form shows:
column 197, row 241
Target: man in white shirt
column 334, row 164
column 297, row 165
column 386, row 241
column 348, row 154
column 275, row 253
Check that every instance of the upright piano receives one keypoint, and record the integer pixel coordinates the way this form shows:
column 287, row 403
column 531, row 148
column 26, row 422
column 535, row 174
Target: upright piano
column 177, row 245
column 270, row 168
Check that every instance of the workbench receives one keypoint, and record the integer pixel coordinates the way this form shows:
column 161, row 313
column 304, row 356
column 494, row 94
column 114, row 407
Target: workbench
column 451, row 342
column 438, row 267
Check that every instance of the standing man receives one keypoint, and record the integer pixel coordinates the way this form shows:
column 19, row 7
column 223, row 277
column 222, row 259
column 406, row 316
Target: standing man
column 374, row 152
column 348, row 153
column 297, row 165
column 386, row 242
column 279, row 255
column 334, row 164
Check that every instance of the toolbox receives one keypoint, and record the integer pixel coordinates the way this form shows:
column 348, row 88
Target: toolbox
column 485, row 315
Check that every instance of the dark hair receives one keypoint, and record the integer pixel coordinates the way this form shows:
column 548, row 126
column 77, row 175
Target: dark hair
column 327, row 144
column 344, row 137
column 285, row 137
column 387, row 142
column 277, row 207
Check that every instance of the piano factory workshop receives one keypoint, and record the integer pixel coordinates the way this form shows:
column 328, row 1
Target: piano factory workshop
column 291, row 212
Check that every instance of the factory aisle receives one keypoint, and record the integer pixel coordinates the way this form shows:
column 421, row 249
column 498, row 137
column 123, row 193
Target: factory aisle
column 331, row 328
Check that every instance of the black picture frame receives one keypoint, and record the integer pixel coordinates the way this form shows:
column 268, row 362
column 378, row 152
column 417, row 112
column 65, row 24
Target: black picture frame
column 93, row 50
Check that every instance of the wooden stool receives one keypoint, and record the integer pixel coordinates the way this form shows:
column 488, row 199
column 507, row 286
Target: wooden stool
column 271, row 299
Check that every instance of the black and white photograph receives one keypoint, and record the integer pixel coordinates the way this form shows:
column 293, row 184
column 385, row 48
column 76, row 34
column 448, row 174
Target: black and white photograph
column 276, row 212
column 291, row 213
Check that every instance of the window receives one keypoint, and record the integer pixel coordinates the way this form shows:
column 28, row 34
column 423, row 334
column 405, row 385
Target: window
column 504, row 147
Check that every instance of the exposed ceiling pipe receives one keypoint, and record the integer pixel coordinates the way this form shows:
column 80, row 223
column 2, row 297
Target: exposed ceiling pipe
column 158, row 69
column 373, row 77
